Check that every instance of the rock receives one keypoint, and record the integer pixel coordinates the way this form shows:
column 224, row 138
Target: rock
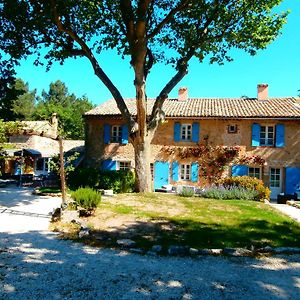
column 83, row 233
column 178, row 250
column 210, row 251
column 136, row 250
column 108, row 192
column 56, row 214
column 265, row 249
column 126, row 243
column 152, row 253
column 194, row 251
column 237, row 252
column 156, row 248
column 69, row 216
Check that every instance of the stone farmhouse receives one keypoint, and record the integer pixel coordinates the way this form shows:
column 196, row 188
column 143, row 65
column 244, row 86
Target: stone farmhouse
column 37, row 150
column 203, row 139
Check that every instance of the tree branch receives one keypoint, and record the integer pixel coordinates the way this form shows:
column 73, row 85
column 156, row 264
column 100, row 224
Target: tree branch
column 128, row 18
column 168, row 18
column 157, row 114
column 97, row 69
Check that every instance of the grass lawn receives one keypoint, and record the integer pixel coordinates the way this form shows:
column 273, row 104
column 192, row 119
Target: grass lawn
column 166, row 220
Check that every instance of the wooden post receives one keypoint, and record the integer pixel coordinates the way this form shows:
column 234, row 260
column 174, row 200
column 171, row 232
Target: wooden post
column 62, row 173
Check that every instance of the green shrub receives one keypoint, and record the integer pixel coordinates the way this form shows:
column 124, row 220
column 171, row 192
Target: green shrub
column 186, row 192
column 86, row 198
column 121, row 181
column 220, row 192
column 248, row 183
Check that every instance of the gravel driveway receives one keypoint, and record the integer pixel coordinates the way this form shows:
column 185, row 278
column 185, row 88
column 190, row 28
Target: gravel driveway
column 34, row 264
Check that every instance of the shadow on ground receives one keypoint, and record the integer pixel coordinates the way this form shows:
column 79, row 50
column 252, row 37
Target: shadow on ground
column 39, row 266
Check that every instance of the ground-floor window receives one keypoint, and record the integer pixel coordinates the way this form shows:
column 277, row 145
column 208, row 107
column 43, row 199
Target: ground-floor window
column 274, row 177
column 42, row 164
column 124, row 165
column 254, row 172
column 185, row 172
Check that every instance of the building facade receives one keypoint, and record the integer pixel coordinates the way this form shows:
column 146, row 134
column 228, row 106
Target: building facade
column 202, row 140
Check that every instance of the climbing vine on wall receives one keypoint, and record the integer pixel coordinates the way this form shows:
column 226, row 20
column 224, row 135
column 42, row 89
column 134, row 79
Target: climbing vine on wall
column 212, row 160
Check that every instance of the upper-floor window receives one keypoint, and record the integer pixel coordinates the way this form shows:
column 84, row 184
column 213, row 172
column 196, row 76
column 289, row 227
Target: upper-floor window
column 232, row 129
column 267, row 135
column 186, row 132
column 254, row 172
column 116, row 134
column 185, row 172
column 124, row 165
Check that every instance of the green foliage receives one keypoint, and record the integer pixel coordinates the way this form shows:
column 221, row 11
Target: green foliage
column 229, row 193
column 248, row 183
column 121, row 181
column 68, row 107
column 54, row 164
column 7, row 129
column 86, row 198
column 186, row 192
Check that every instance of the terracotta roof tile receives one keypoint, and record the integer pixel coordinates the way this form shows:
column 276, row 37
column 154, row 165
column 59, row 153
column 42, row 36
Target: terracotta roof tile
column 287, row 107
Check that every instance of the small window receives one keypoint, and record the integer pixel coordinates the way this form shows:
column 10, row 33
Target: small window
column 124, row 165
column 232, row 128
column 267, row 134
column 116, row 134
column 186, row 132
column 185, row 172
column 254, row 172
column 39, row 164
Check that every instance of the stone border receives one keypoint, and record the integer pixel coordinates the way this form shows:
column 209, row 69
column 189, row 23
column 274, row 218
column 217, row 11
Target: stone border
column 293, row 203
column 175, row 250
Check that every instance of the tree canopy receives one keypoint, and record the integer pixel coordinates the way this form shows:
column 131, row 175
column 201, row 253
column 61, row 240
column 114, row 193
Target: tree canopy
column 148, row 31
column 68, row 107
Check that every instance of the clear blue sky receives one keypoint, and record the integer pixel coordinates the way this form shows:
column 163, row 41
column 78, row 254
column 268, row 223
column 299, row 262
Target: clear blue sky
column 278, row 65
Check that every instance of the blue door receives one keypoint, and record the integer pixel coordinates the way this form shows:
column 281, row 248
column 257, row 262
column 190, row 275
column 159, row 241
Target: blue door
column 292, row 180
column 161, row 174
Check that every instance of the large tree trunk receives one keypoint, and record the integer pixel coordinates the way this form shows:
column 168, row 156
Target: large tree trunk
column 142, row 164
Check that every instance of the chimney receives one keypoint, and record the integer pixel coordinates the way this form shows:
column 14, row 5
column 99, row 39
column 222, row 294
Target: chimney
column 262, row 91
column 54, row 123
column 183, row 94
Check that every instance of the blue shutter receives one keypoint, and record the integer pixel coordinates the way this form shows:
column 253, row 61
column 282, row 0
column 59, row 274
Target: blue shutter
column 175, row 171
column 109, row 164
column 255, row 135
column 292, row 180
column 195, row 132
column 125, row 134
column 239, row 170
column 176, row 132
column 194, row 172
column 106, row 133
column 279, row 136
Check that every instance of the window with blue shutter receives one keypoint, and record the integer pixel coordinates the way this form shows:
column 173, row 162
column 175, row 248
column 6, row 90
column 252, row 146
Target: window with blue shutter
column 195, row 132
column 125, row 134
column 106, row 133
column 279, row 136
column 176, row 132
column 194, row 177
column 175, row 171
column 109, row 164
column 255, row 135
column 239, row 170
